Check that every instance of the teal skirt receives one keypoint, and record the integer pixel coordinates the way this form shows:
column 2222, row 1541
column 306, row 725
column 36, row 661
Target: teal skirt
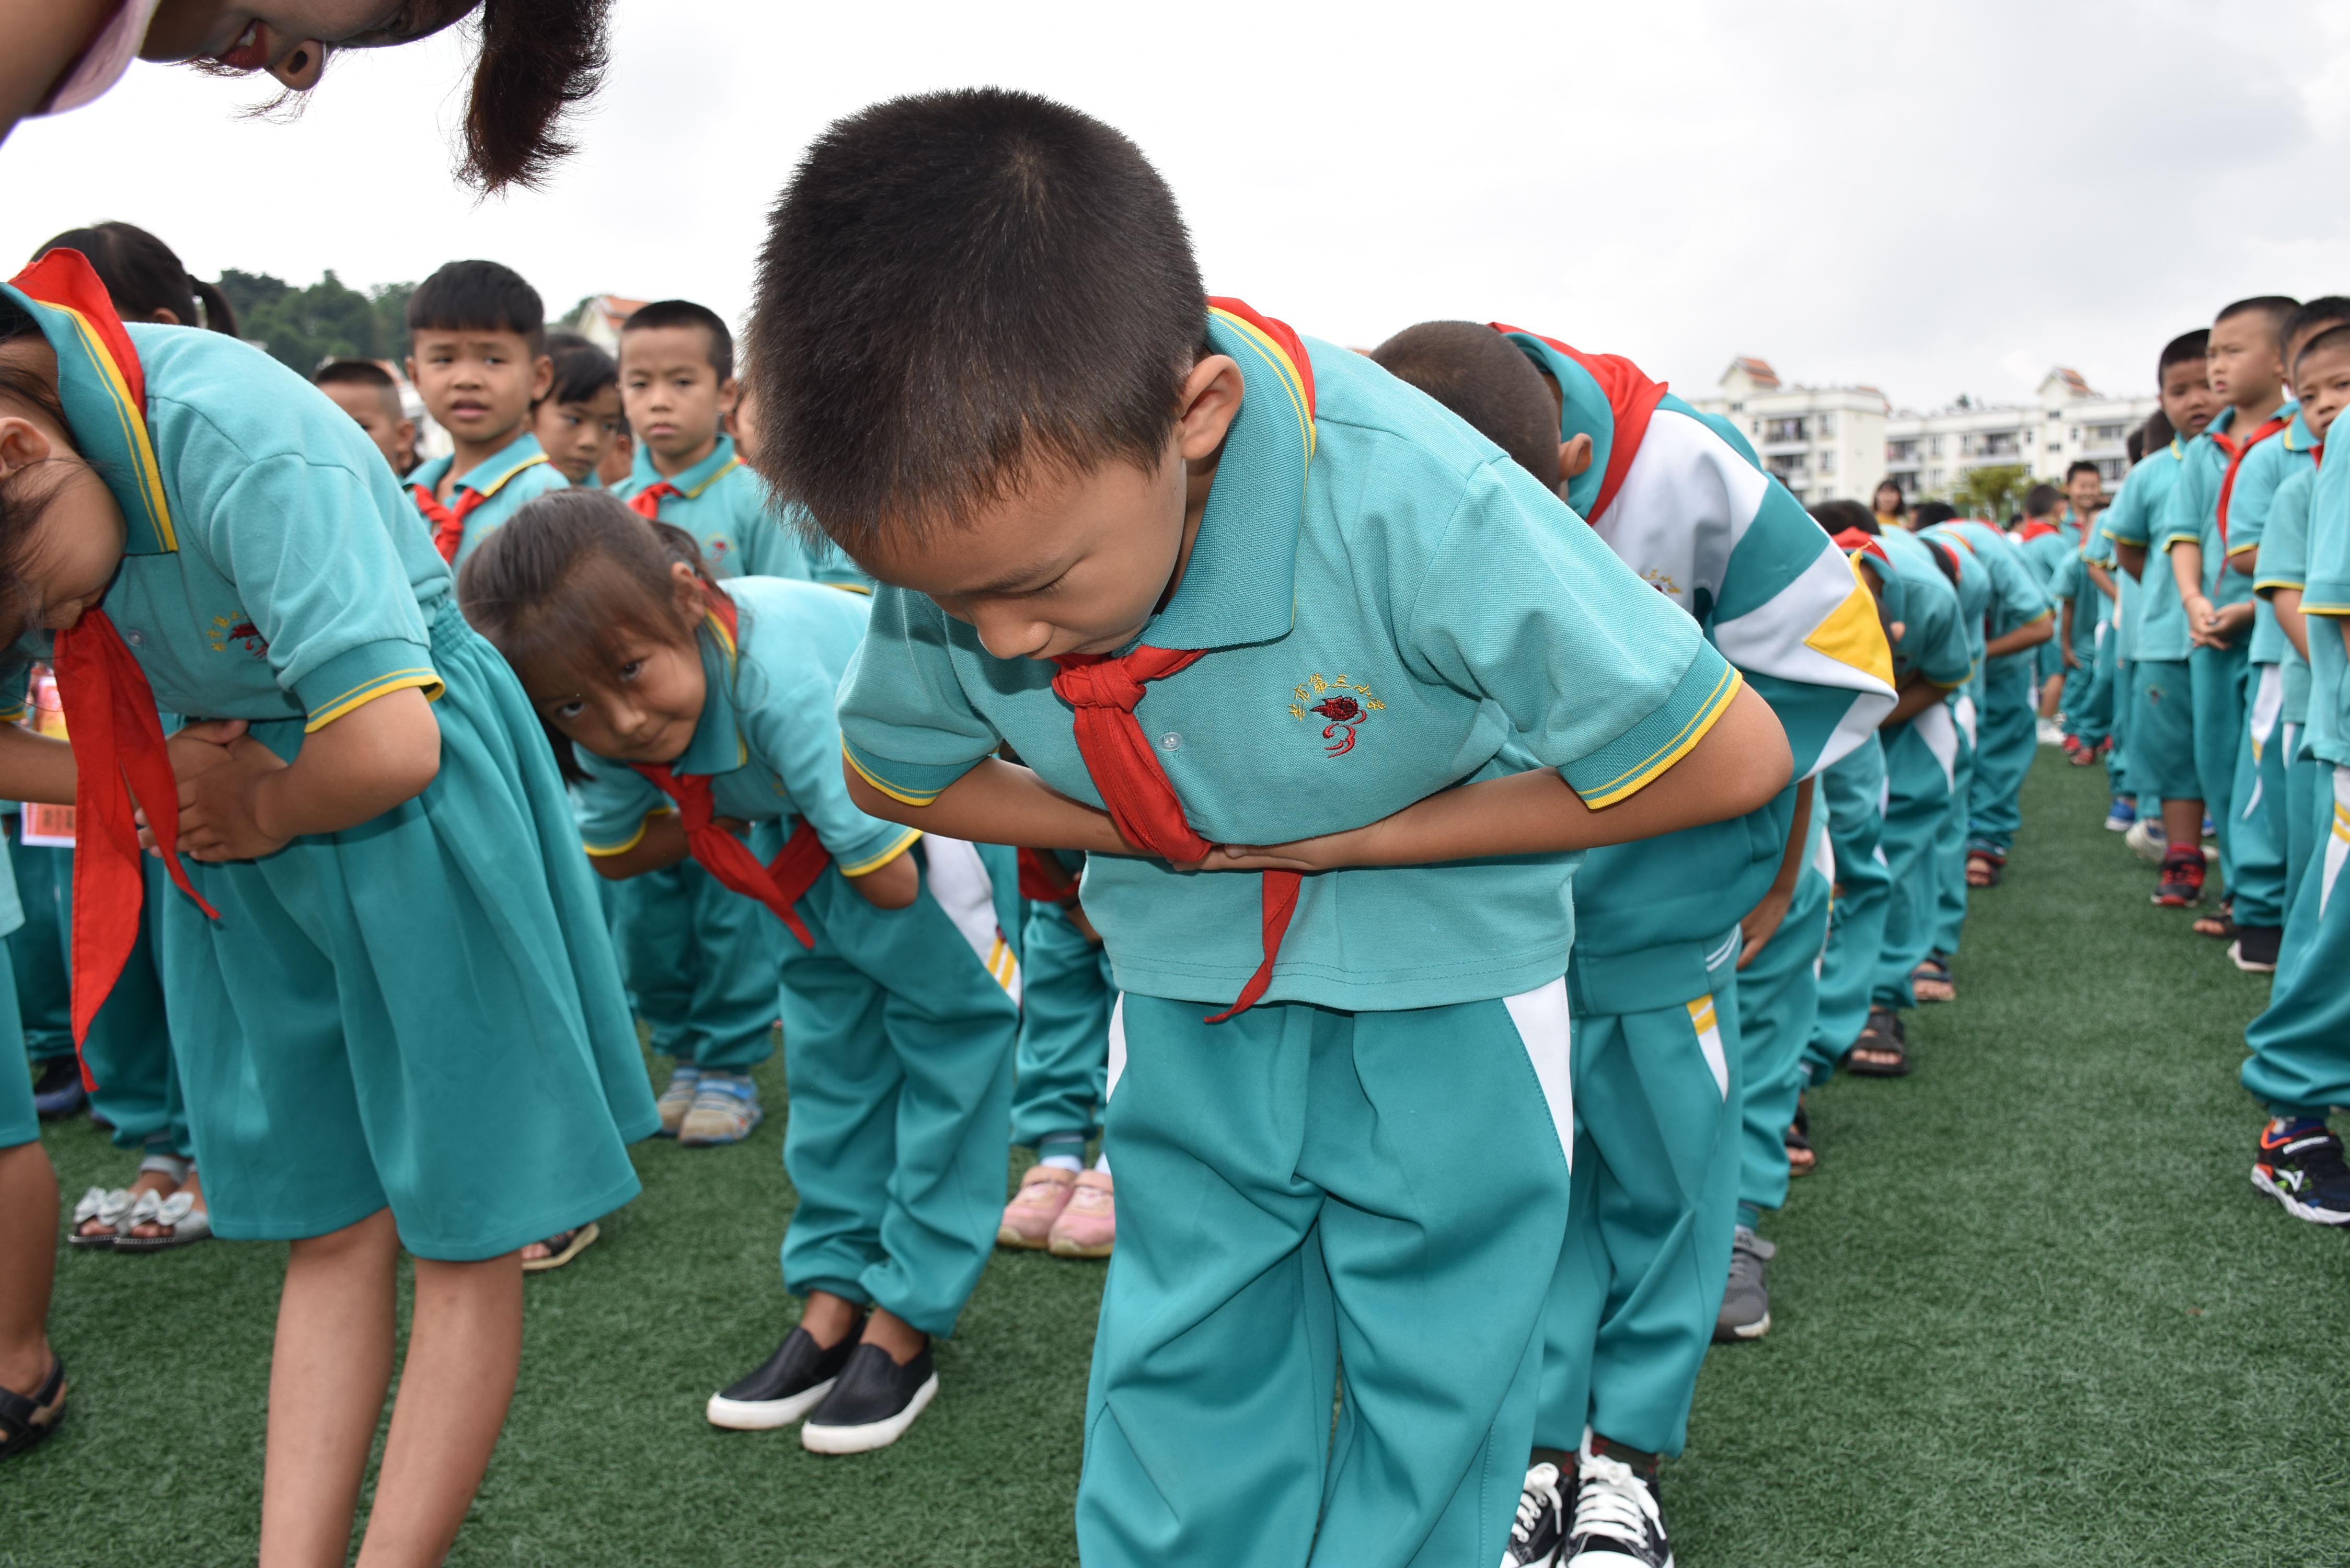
column 422, row 1012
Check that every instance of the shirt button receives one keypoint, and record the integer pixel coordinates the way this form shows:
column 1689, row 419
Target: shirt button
column 138, row 639
column 1170, row 741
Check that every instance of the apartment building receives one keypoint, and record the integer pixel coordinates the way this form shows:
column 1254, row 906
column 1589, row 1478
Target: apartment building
column 1836, row 442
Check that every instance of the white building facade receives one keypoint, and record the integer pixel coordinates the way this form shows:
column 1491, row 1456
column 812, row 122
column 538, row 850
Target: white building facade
column 1836, row 442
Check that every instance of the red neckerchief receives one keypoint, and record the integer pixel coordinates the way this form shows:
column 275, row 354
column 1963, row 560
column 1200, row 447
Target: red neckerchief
column 2236, row 452
column 121, row 760
column 2035, row 527
column 1631, row 398
column 646, row 503
column 1044, row 879
column 1853, row 539
column 448, row 521
column 1122, row 762
column 780, row 883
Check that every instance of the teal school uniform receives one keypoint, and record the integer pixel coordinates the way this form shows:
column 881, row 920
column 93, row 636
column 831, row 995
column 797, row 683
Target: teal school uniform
column 1778, row 1013
column 2217, row 676
column 1921, row 755
column 2284, row 564
column 505, row 479
column 2155, row 643
column 698, row 958
column 2113, row 695
column 1977, row 588
column 2046, row 548
column 2007, row 723
column 1305, row 1187
column 39, row 950
column 1852, row 798
column 1066, row 996
column 1659, row 1008
column 19, row 1122
column 2300, row 1062
column 356, row 1029
column 899, row 1024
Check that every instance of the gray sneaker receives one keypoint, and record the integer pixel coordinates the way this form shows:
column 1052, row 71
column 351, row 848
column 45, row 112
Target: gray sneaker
column 1746, row 1304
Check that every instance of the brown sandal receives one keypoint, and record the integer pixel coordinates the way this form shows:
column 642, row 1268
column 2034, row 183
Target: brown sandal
column 1883, row 1038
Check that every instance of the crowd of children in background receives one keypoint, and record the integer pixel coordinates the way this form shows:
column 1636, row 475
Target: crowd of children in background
column 1794, row 751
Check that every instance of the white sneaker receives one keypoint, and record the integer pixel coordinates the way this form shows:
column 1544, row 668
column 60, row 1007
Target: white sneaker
column 2051, row 733
column 1616, row 1523
column 1540, row 1526
column 2147, row 840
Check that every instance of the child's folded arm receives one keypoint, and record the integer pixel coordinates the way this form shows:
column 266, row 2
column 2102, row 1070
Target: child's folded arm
column 38, row 768
column 995, row 802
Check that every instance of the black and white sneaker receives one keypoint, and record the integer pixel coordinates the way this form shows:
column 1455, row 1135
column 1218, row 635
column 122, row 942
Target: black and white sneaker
column 1616, row 1523
column 2302, row 1168
column 788, row 1386
column 1540, row 1526
column 872, row 1405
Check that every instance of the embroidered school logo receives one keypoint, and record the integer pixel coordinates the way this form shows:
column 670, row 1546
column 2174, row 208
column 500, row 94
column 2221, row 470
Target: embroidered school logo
column 235, row 628
column 1662, row 581
column 716, row 547
column 1347, row 706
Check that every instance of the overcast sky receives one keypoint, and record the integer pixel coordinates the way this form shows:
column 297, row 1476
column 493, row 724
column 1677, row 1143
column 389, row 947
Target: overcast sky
column 1928, row 197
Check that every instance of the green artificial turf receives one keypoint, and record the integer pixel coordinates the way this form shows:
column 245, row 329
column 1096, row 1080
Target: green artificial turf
column 2028, row 1312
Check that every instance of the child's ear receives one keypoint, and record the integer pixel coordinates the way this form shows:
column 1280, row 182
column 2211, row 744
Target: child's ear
column 22, row 443
column 730, row 395
column 542, row 377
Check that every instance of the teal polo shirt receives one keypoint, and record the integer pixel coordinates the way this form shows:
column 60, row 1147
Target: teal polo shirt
column 767, row 738
column 2192, row 512
column 274, row 570
column 1933, row 642
column 2045, row 554
column 2017, row 596
column 2325, row 599
column 2284, row 564
column 512, row 475
column 2251, row 509
column 2138, row 515
column 1698, row 520
column 1369, row 569
column 722, row 504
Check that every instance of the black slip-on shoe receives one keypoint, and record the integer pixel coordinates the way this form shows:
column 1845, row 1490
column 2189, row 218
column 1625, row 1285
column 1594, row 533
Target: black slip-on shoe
column 872, row 1403
column 788, row 1386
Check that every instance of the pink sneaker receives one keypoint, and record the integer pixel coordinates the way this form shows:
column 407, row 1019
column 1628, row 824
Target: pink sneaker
column 1028, row 1218
column 1087, row 1227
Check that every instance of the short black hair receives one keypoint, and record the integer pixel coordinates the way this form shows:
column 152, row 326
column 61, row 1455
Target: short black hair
column 2334, row 337
column 685, row 313
column 2178, row 350
column 2326, row 310
column 2277, row 307
column 2136, row 445
column 2083, row 465
column 1487, row 380
column 142, row 275
column 2042, row 499
column 959, row 289
column 1929, row 513
column 2157, row 434
column 358, row 373
column 581, row 370
column 478, row 296
column 1836, row 516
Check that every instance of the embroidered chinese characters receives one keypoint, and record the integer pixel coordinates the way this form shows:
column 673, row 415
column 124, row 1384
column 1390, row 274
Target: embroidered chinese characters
column 1347, row 707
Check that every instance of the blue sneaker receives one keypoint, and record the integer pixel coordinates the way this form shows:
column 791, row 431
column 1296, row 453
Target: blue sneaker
column 58, row 1092
column 726, row 1110
column 2210, row 829
column 2124, row 812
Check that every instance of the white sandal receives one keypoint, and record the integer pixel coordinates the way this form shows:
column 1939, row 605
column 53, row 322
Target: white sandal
column 184, row 1223
column 107, row 1209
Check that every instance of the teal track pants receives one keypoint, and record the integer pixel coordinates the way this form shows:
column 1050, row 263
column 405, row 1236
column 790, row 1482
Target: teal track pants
column 2216, row 679
column 1065, row 994
column 1312, row 1204
column 2007, row 739
column 19, row 1122
column 1778, row 1008
column 1949, row 912
column 129, row 1050
column 1853, row 793
column 2257, row 804
column 1656, row 1198
column 1921, row 761
column 699, row 961
column 897, row 1048
column 2300, row 1065
column 2162, row 733
column 2305, row 825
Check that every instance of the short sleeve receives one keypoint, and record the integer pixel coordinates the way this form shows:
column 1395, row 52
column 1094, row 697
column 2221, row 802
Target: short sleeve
column 1941, row 654
column 313, row 556
column 906, row 724
column 2126, row 521
column 795, row 732
column 613, row 805
column 2327, row 590
column 1602, row 677
column 2250, row 503
column 2284, row 545
column 2182, row 521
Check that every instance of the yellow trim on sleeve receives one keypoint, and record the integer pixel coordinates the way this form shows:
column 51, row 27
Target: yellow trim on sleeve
column 1634, row 779
column 851, row 589
column 1853, row 635
column 2329, row 610
column 13, row 715
column 368, row 692
column 890, row 790
column 602, row 851
column 875, row 863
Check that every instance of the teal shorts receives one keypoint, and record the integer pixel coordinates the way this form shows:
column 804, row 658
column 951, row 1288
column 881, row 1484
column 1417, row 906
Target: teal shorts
column 2162, row 731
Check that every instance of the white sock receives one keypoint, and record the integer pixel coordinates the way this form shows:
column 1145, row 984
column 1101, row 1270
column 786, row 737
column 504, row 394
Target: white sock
column 1102, row 1162
column 1062, row 1151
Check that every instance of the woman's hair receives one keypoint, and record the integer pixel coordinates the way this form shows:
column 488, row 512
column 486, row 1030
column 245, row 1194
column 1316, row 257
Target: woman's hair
column 1900, row 501
column 143, row 276
column 570, row 574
